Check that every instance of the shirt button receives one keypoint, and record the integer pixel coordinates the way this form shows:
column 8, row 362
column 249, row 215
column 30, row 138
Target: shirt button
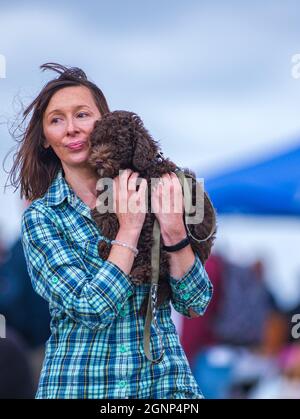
column 129, row 294
column 186, row 296
column 182, row 286
column 55, row 279
column 122, row 384
column 123, row 349
column 119, row 306
column 124, row 312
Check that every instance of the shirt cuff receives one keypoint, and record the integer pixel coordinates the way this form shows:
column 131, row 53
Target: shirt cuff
column 193, row 290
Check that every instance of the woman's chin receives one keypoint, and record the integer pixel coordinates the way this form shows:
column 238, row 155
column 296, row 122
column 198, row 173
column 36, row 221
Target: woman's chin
column 80, row 158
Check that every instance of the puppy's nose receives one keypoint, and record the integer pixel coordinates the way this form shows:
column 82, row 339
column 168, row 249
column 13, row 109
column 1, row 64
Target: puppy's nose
column 99, row 162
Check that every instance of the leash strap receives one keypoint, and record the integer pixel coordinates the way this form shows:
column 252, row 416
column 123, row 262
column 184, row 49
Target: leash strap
column 188, row 204
column 151, row 315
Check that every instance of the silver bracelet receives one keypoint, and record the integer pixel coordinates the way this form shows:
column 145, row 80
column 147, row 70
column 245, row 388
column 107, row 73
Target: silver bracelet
column 134, row 249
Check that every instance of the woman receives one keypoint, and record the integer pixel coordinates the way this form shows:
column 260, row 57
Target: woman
column 96, row 345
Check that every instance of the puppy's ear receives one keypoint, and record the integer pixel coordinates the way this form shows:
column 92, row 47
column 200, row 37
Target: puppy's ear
column 145, row 148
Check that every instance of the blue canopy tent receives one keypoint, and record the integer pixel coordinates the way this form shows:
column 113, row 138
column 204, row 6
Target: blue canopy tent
column 268, row 187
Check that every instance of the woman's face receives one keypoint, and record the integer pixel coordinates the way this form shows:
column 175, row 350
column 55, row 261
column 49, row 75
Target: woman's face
column 68, row 122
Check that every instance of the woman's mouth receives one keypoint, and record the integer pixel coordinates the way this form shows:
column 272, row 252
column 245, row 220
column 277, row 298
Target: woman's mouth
column 78, row 145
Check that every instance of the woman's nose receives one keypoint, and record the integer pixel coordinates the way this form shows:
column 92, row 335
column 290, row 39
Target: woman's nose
column 72, row 127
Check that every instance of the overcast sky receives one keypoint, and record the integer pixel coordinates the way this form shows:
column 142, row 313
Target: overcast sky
column 211, row 79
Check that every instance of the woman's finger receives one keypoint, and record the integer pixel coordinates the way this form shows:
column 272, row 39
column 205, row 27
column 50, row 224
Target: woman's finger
column 125, row 174
column 175, row 181
column 142, row 193
column 132, row 181
column 143, row 185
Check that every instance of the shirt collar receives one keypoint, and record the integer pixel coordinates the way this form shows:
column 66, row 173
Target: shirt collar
column 58, row 191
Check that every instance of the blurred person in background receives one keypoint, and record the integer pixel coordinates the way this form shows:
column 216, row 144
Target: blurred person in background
column 25, row 311
column 286, row 383
column 294, row 318
column 16, row 376
column 242, row 334
column 3, row 249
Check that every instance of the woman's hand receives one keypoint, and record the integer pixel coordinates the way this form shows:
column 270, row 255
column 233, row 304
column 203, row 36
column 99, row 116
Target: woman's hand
column 130, row 208
column 169, row 194
column 129, row 204
column 167, row 204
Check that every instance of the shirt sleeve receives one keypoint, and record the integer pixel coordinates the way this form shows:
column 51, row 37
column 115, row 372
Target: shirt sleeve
column 194, row 290
column 59, row 275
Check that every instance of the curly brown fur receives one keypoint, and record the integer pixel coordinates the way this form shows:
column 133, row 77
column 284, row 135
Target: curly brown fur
column 120, row 141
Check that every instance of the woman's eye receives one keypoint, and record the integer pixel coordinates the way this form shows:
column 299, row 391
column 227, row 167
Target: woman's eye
column 54, row 120
column 82, row 114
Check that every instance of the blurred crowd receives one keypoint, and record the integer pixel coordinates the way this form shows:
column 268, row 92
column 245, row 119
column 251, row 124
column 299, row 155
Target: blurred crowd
column 27, row 326
column 243, row 347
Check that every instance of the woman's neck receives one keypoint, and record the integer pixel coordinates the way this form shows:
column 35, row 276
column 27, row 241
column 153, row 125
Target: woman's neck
column 83, row 182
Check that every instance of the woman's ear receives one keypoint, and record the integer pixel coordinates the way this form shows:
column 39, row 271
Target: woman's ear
column 45, row 143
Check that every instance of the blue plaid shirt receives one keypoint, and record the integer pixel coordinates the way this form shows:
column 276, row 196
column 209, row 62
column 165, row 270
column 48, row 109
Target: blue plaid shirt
column 96, row 345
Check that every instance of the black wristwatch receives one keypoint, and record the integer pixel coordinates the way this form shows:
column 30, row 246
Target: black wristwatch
column 178, row 246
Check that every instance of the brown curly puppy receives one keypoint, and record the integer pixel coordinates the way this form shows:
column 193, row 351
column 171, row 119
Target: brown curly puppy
column 120, row 141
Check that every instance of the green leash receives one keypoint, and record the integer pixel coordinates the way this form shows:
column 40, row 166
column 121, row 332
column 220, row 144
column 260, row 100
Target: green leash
column 151, row 309
column 188, row 205
column 151, row 315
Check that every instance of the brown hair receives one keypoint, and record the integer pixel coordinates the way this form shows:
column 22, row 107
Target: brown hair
column 35, row 167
